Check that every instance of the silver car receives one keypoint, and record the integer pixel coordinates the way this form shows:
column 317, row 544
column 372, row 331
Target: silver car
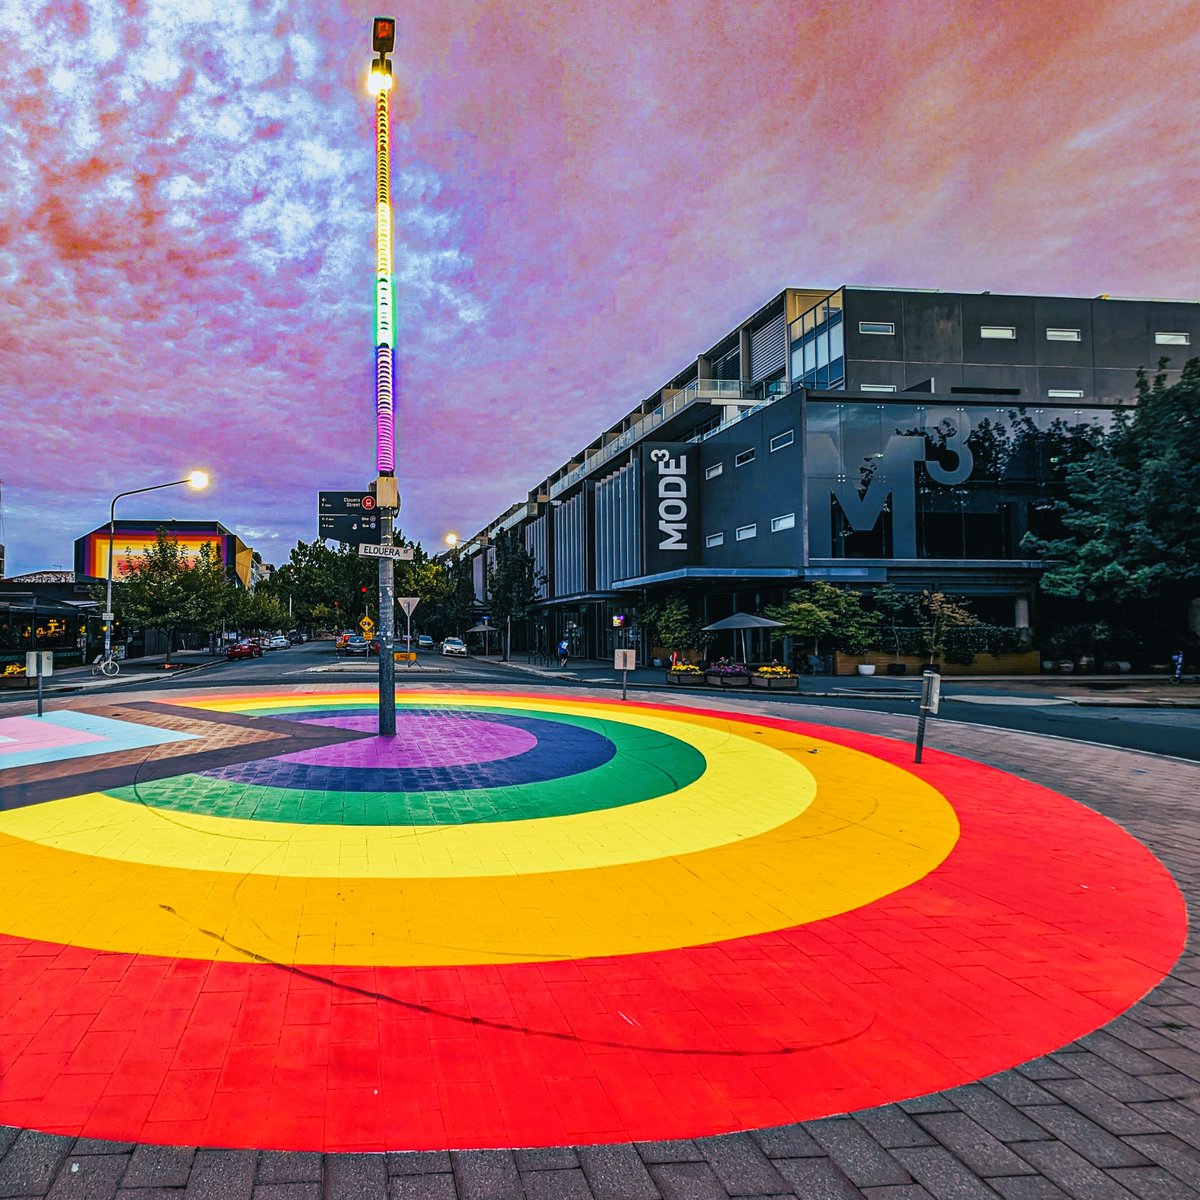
column 454, row 646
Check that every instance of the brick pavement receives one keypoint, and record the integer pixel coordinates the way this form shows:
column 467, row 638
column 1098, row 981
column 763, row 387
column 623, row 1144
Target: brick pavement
column 1116, row 1113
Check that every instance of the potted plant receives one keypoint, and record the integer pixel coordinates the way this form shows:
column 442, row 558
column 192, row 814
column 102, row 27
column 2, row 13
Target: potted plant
column 774, row 677
column 685, row 674
column 726, row 673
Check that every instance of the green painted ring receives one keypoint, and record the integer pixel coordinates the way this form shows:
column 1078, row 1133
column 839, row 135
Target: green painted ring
column 647, row 764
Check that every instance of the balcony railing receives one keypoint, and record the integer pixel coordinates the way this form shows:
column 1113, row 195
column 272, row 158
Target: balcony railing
column 698, row 391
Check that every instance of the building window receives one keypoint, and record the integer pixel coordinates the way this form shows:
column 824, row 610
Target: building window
column 713, row 471
column 881, row 327
column 876, row 387
column 787, row 521
column 746, row 456
column 1065, row 393
column 1063, row 335
column 780, row 440
column 715, row 539
column 1172, row 339
column 746, row 532
column 1006, row 333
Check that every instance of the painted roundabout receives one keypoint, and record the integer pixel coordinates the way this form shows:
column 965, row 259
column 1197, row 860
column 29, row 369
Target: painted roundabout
column 532, row 920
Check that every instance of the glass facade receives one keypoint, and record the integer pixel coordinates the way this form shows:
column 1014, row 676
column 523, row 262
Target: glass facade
column 818, row 346
column 904, row 481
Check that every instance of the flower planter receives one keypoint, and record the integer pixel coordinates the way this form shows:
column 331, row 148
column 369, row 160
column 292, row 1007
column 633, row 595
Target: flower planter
column 727, row 681
column 866, row 668
column 775, row 683
column 685, row 679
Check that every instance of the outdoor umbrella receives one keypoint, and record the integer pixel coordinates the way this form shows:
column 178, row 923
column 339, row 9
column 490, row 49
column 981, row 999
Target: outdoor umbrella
column 742, row 621
column 486, row 630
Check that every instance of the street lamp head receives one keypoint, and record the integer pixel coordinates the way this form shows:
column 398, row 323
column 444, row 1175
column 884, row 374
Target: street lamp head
column 380, row 79
column 198, row 480
column 451, row 540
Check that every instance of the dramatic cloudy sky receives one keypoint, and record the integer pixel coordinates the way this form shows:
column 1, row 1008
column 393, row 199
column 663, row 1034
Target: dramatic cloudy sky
column 587, row 194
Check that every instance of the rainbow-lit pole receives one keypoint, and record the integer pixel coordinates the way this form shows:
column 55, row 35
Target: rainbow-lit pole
column 385, row 337
column 383, row 39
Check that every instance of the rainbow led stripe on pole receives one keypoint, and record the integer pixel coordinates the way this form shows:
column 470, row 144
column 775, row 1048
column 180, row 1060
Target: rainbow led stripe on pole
column 385, row 337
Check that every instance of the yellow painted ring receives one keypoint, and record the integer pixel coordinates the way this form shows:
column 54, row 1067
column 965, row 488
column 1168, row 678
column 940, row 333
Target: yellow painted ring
column 871, row 830
column 714, row 810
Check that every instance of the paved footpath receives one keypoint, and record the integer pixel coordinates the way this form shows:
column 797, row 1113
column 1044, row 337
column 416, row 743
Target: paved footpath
column 1110, row 1114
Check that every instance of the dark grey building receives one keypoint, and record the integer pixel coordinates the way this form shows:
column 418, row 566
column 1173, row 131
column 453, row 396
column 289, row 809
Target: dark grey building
column 861, row 436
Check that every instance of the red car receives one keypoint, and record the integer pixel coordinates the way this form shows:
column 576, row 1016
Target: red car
column 246, row 649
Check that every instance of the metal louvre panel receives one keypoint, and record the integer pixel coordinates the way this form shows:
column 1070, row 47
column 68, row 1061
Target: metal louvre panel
column 616, row 527
column 535, row 544
column 728, row 366
column 768, row 348
column 569, row 550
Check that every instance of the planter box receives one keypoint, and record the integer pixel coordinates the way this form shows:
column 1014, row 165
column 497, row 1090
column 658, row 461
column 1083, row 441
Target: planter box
column 684, row 679
column 727, row 681
column 1025, row 662
column 775, row 683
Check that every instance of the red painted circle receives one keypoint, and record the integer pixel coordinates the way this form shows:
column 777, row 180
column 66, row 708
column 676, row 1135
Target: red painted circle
column 1045, row 922
column 368, row 503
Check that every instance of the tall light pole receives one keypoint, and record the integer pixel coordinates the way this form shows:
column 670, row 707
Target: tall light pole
column 383, row 39
column 197, row 480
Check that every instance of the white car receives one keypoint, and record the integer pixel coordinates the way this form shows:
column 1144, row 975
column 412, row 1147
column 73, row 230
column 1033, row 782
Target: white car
column 278, row 642
column 424, row 641
column 454, row 646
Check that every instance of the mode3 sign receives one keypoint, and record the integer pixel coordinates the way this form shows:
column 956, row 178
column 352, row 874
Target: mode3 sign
column 672, row 496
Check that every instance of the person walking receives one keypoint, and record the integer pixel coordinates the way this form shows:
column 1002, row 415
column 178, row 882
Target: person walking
column 564, row 652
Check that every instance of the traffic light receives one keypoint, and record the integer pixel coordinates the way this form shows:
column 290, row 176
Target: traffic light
column 364, row 589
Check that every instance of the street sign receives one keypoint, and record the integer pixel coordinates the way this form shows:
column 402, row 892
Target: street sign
column 348, row 517
column 363, row 528
column 39, row 662
column 366, row 625
column 371, row 550
column 344, row 503
column 408, row 603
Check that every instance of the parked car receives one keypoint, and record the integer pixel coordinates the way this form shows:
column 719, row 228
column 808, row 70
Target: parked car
column 243, row 649
column 453, row 645
column 424, row 641
column 356, row 644
column 296, row 638
column 278, row 642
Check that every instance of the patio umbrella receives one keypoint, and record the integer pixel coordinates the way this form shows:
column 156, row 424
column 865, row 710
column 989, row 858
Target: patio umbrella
column 486, row 630
column 742, row 621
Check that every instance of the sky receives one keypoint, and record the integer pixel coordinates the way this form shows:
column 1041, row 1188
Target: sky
column 587, row 195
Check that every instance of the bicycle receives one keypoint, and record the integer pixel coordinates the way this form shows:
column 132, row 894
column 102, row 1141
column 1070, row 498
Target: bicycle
column 106, row 665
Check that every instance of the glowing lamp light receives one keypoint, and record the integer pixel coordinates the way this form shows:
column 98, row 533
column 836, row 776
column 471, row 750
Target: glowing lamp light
column 198, row 480
column 380, row 78
column 451, row 540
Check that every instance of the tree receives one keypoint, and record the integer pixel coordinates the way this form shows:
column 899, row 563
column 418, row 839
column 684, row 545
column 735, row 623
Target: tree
column 257, row 610
column 512, row 583
column 938, row 617
column 672, row 624
column 821, row 610
column 893, row 607
column 1131, row 516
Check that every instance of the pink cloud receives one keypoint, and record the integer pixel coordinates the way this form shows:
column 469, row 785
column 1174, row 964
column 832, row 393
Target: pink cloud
column 586, row 195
